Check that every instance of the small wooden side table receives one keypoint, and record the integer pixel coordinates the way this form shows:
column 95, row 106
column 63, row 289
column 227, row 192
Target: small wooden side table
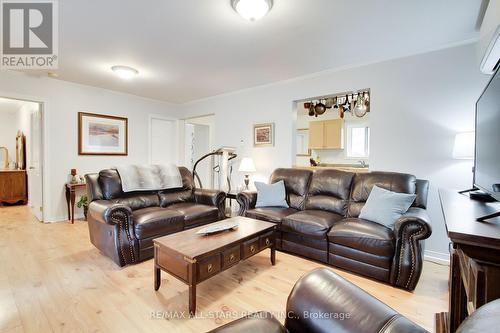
column 70, row 198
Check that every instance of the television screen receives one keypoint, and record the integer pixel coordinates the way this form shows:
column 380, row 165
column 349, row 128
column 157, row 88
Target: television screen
column 487, row 156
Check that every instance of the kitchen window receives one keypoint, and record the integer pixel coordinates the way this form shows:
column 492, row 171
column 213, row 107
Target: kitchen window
column 358, row 141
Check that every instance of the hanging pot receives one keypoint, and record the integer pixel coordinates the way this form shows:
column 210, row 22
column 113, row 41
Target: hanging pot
column 359, row 109
column 346, row 104
column 329, row 102
column 311, row 110
column 307, row 105
column 320, row 108
column 367, row 101
column 341, row 111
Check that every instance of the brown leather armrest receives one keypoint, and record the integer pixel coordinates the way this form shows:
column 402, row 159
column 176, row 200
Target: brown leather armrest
column 412, row 228
column 323, row 302
column 111, row 229
column 246, row 200
column 211, row 198
column 106, row 212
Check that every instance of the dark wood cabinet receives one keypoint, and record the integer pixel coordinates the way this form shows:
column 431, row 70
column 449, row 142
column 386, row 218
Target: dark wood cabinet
column 13, row 186
column 474, row 257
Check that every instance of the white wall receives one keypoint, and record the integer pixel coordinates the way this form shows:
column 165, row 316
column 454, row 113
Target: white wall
column 63, row 101
column 418, row 104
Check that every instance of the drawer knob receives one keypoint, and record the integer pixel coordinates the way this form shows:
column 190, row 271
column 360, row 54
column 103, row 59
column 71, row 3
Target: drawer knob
column 210, row 268
column 231, row 257
column 267, row 241
column 252, row 248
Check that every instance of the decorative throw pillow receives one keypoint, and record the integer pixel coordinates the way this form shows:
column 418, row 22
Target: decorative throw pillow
column 271, row 195
column 386, row 207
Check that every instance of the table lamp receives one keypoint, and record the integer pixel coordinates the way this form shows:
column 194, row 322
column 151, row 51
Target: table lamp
column 247, row 166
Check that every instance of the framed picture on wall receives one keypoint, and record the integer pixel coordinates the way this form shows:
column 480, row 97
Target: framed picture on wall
column 263, row 135
column 102, row 135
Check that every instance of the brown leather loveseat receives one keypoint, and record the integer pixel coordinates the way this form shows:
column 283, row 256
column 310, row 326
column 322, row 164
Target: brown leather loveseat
column 322, row 222
column 123, row 225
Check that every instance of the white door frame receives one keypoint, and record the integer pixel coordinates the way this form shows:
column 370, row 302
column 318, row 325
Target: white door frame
column 44, row 107
column 150, row 133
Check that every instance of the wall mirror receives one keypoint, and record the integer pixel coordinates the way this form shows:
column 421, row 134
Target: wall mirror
column 21, row 150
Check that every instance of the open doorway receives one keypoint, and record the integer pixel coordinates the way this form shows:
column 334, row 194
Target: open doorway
column 199, row 140
column 21, row 154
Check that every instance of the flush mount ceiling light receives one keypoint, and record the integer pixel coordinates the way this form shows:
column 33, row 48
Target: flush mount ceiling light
column 252, row 10
column 125, row 72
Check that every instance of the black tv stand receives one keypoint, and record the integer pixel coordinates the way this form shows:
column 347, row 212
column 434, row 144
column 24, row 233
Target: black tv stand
column 476, row 194
column 487, row 217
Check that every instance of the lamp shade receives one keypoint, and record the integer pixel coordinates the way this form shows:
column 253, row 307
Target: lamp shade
column 464, row 146
column 247, row 165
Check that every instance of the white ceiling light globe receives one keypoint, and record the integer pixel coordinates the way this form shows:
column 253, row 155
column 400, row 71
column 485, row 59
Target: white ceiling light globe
column 252, row 10
column 125, row 72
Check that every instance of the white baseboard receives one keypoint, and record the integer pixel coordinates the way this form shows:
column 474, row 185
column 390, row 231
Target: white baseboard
column 437, row 257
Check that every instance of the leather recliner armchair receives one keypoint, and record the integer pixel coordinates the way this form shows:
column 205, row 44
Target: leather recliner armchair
column 323, row 224
column 123, row 225
column 323, row 302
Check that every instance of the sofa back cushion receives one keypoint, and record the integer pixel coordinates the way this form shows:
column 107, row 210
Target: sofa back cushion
column 111, row 184
column 329, row 190
column 363, row 183
column 111, row 189
column 138, row 200
column 296, row 183
column 184, row 194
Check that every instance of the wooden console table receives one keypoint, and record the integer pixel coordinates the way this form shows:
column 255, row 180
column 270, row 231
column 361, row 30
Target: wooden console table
column 474, row 257
column 13, row 186
column 71, row 197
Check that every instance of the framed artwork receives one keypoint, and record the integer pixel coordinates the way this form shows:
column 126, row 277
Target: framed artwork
column 102, row 135
column 263, row 135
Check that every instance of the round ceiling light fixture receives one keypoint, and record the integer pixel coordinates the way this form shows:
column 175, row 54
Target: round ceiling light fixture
column 125, row 72
column 252, row 10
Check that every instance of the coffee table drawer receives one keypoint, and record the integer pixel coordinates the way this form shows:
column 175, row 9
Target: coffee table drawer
column 209, row 267
column 249, row 248
column 266, row 240
column 230, row 257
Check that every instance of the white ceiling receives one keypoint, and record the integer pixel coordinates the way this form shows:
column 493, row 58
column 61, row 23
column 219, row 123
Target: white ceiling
column 190, row 49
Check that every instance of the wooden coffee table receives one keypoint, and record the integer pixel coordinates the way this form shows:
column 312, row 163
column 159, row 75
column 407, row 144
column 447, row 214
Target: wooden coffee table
column 194, row 258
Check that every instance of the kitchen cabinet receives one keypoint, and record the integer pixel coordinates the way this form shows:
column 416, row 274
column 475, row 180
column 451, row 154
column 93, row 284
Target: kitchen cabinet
column 326, row 134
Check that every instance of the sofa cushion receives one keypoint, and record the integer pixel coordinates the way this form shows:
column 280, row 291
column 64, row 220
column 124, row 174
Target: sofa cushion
column 184, row 194
column 363, row 183
column 271, row 195
column 363, row 235
column 270, row 214
column 296, row 183
column 314, row 223
column 156, row 221
column 194, row 213
column 386, row 207
column 138, row 201
column 329, row 190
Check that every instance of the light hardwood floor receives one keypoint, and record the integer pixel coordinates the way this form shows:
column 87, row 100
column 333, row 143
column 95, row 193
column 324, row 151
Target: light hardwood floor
column 53, row 280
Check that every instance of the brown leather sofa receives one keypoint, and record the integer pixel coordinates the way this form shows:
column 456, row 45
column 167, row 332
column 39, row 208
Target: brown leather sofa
column 323, row 302
column 322, row 222
column 123, row 225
